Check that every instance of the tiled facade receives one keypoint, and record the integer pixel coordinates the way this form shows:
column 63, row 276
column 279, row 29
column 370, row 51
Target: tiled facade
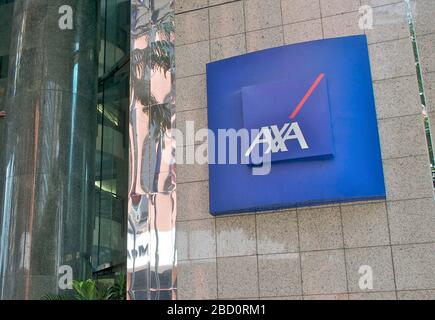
column 315, row 252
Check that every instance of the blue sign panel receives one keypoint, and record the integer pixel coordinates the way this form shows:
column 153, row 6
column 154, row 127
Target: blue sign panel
column 294, row 102
column 310, row 108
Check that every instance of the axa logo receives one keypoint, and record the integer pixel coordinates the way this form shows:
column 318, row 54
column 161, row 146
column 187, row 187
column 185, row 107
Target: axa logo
column 274, row 138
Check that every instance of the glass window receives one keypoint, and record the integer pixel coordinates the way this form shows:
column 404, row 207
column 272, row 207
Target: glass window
column 111, row 181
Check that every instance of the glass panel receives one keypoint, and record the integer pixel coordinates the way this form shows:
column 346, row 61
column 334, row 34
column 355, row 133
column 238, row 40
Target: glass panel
column 111, row 182
column 115, row 28
column 416, row 25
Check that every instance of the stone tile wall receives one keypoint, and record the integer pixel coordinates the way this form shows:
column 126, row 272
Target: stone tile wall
column 316, row 252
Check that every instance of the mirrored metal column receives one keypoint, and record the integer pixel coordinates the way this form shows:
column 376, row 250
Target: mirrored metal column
column 152, row 261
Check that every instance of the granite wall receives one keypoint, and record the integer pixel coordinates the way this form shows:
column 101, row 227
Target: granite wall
column 315, row 252
column 49, row 147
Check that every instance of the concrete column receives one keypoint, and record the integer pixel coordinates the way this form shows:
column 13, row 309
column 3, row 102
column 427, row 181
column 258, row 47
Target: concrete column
column 48, row 199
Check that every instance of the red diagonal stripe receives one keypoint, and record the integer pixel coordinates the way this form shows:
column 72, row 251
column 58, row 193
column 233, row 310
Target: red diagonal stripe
column 307, row 95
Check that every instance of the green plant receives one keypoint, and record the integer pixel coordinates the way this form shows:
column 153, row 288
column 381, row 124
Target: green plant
column 93, row 290
column 56, row 297
column 118, row 290
column 89, row 290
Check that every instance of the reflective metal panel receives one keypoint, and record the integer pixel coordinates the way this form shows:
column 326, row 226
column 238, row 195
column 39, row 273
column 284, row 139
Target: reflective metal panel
column 151, row 264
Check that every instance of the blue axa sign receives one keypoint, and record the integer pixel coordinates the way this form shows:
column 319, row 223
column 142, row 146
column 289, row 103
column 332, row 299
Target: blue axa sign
column 292, row 114
column 310, row 111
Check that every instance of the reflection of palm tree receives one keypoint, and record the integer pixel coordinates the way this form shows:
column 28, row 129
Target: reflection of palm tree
column 162, row 59
column 156, row 55
column 156, row 26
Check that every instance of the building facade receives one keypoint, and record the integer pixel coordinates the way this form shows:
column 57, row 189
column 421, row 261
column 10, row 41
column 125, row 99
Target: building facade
column 313, row 252
column 90, row 180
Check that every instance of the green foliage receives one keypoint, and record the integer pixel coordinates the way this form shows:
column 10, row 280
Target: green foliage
column 89, row 290
column 118, row 290
column 93, row 290
column 56, row 297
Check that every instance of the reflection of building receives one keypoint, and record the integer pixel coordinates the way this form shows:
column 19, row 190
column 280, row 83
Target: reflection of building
column 152, row 206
